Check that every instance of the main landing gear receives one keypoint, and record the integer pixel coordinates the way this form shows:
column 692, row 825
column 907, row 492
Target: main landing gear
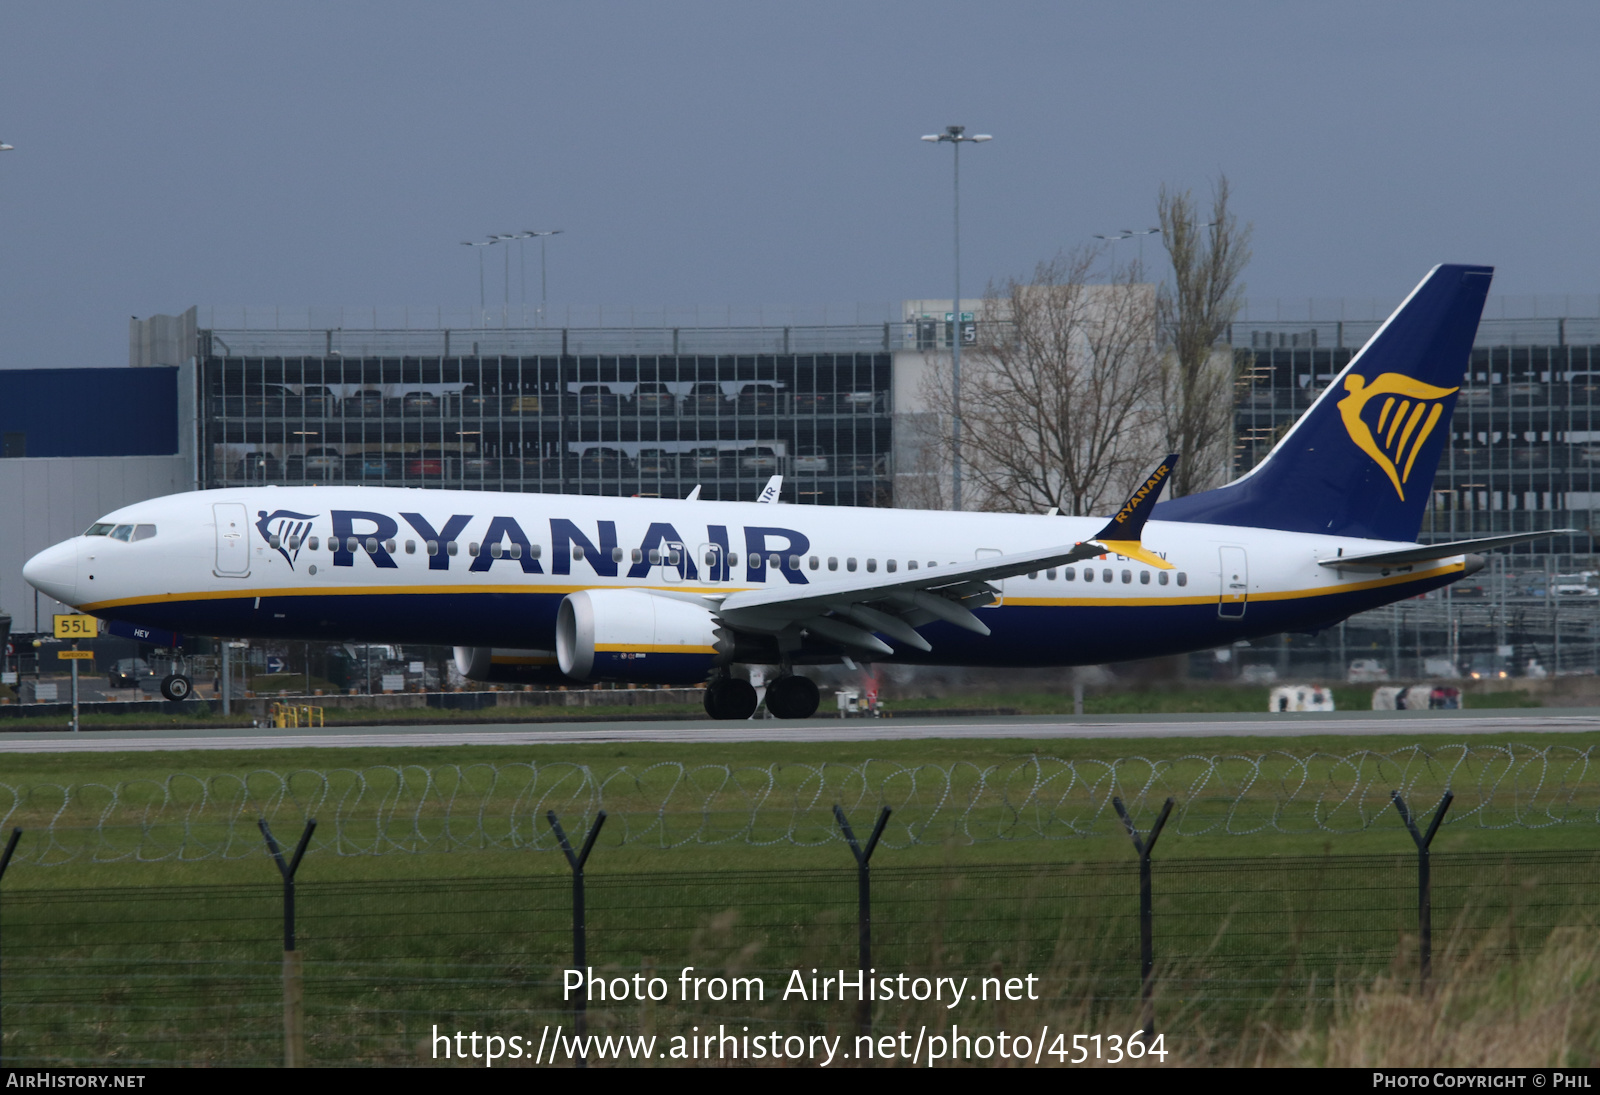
column 730, row 698
column 792, row 697
column 788, row 697
column 176, row 687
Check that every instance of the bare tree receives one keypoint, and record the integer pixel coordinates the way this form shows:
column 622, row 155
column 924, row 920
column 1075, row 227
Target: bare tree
column 1198, row 379
column 1058, row 399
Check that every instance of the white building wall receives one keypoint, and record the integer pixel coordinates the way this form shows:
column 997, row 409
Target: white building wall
column 49, row 500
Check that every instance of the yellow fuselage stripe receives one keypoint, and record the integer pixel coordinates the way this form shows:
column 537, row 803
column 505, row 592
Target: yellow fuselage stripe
column 563, row 590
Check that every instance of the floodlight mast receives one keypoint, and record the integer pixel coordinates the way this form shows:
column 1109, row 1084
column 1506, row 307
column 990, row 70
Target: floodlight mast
column 956, row 136
column 475, row 243
column 542, row 235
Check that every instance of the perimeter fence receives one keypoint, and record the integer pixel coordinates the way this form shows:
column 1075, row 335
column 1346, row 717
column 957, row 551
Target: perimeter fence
column 151, row 975
column 390, row 809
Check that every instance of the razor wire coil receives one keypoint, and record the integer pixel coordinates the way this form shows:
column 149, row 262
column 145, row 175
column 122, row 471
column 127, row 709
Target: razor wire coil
column 390, row 809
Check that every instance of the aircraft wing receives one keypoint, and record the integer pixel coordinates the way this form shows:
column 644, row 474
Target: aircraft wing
column 850, row 611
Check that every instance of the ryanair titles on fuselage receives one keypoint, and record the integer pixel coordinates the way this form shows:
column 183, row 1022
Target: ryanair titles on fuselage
column 366, row 532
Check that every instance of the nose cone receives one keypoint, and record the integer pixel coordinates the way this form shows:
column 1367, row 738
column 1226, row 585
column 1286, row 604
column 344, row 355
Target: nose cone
column 54, row 572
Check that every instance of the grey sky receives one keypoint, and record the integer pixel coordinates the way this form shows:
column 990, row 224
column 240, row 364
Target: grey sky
column 336, row 154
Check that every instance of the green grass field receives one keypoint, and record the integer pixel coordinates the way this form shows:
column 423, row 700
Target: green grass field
column 171, row 961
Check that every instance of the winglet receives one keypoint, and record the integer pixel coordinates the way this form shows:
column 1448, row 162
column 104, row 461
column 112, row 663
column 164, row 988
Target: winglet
column 1121, row 534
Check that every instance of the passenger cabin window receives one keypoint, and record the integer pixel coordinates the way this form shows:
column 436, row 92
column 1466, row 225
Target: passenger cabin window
column 1127, row 577
column 850, row 565
column 872, row 566
column 1162, row 577
column 143, row 532
column 433, row 547
column 794, row 562
column 1088, row 574
column 889, row 566
column 313, row 543
column 451, row 547
column 733, row 558
column 1070, row 573
column 1183, row 579
column 815, row 562
column 912, row 565
column 122, row 532
column 1105, row 575
column 833, row 562
column 1144, row 577
column 1051, row 574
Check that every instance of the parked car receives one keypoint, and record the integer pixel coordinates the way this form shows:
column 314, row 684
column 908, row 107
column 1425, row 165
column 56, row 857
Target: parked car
column 652, row 397
column 522, row 404
column 267, row 400
column 257, row 467
column 599, row 462
column 317, row 401
column 367, row 403
column 419, row 403
column 760, row 460
column 758, row 397
column 657, row 462
column 810, row 460
column 1367, row 669
column 598, row 399
column 473, row 403
column 128, row 672
column 323, row 463
column 425, row 465
column 705, row 398
column 704, row 462
column 480, row 467
column 371, row 465
column 859, row 402
column 815, row 402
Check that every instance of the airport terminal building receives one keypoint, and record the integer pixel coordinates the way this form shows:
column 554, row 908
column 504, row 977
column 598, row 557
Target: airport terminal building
column 834, row 407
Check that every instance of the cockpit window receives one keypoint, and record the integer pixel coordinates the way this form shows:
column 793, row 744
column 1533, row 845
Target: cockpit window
column 122, row 532
column 99, row 528
column 143, row 532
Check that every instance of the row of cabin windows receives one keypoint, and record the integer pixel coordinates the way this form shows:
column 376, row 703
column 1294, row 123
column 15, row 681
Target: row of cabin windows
column 672, row 558
column 1070, row 574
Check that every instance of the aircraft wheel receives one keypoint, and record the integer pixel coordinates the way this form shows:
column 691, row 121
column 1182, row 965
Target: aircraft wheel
column 176, row 687
column 730, row 699
column 792, row 698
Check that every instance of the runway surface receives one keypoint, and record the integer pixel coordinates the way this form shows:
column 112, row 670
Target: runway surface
column 1355, row 724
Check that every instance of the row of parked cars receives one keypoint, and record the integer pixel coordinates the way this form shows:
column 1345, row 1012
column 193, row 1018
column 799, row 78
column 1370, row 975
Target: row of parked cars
column 599, row 461
column 707, row 399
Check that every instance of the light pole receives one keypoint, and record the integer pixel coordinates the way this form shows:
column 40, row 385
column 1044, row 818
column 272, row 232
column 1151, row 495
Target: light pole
column 956, row 136
column 542, row 235
column 485, row 243
column 1126, row 232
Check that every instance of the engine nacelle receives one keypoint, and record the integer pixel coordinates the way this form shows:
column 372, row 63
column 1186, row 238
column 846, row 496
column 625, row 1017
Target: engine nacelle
column 632, row 635
column 499, row 665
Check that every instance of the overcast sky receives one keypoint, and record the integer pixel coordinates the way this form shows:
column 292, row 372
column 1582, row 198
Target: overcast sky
column 756, row 153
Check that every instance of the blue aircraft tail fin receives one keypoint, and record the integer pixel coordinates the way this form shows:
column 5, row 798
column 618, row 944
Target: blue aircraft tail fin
column 1361, row 460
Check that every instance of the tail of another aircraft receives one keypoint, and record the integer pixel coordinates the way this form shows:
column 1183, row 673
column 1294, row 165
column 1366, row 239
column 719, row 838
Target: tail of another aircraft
column 1361, row 461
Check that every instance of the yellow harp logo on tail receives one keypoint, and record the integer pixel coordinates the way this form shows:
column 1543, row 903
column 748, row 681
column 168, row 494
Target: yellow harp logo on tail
column 1406, row 412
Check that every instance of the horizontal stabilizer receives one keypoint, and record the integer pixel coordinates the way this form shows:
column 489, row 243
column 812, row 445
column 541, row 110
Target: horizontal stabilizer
column 1428, row 552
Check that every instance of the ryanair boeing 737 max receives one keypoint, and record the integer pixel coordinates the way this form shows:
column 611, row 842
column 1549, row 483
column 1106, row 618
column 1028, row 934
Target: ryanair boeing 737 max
column 558, row 587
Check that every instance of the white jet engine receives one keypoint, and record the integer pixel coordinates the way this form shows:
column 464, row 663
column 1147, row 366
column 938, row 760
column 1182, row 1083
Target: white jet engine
column 631, row 635
column 501, row 665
